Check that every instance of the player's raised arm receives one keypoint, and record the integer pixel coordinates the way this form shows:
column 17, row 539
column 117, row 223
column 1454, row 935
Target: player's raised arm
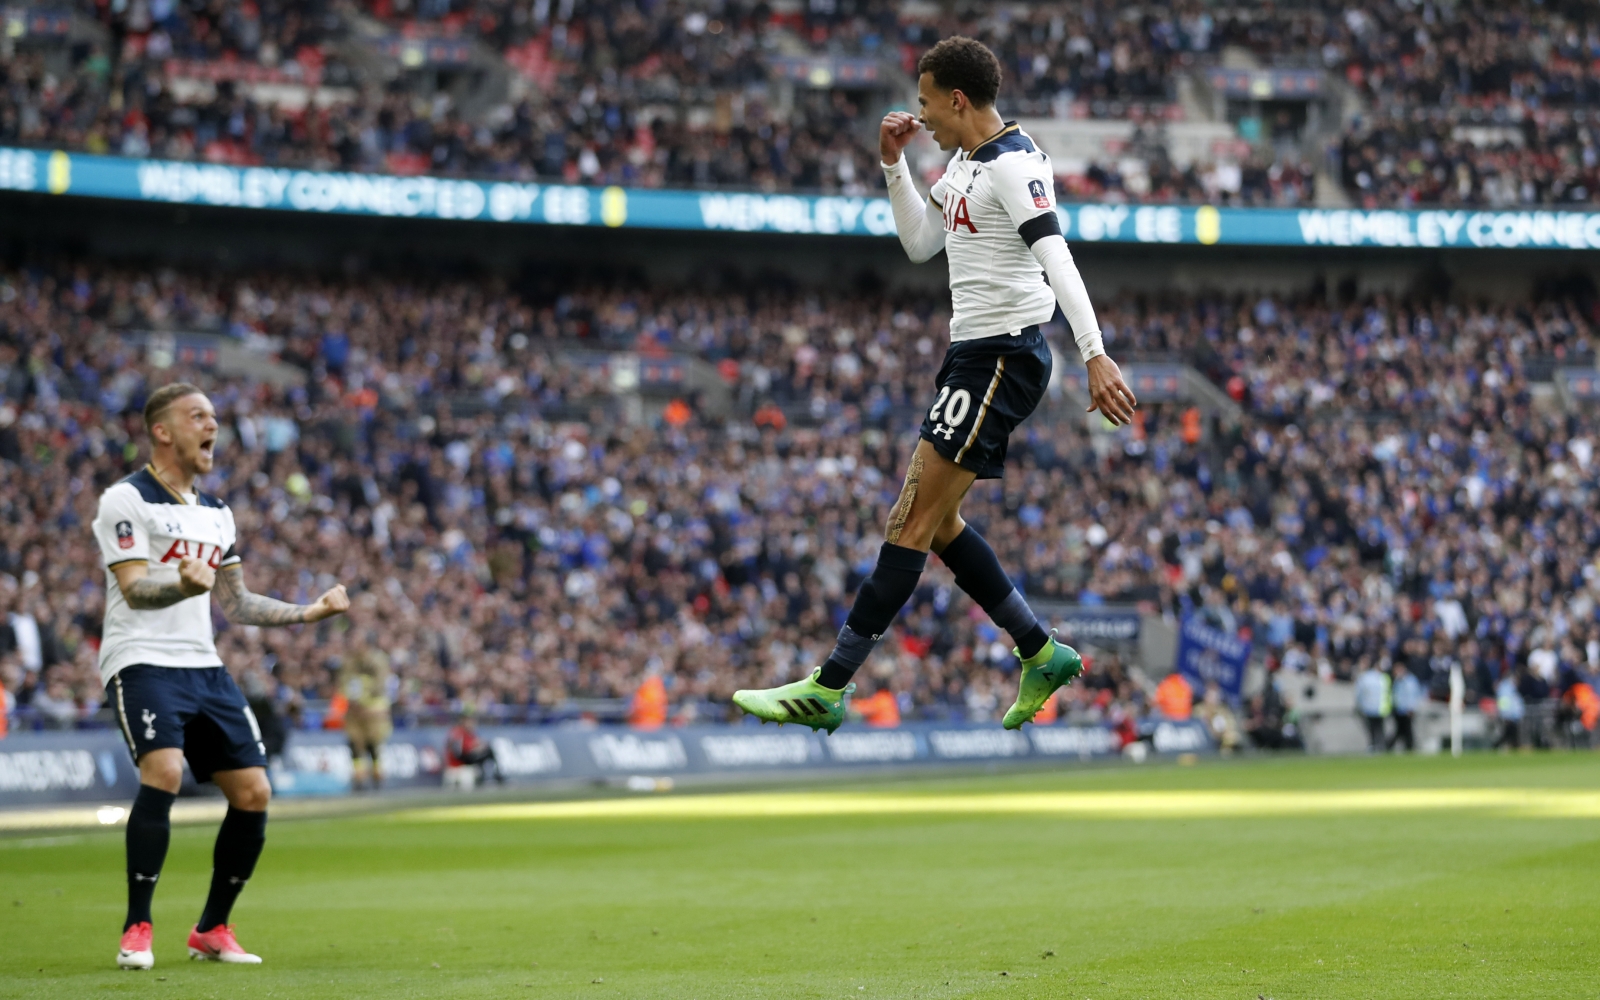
column 119, row 527
column 245, row 608
column 1025, row 187
column 919, row 222
column 145, row 594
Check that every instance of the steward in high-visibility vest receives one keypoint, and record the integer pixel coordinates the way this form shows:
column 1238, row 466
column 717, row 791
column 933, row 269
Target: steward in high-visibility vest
column 648, row 708
column 1587, row 704
column 881, row 710
column 1174, row 697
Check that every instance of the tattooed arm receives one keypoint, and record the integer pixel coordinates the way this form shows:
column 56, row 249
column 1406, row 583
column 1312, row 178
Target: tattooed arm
column 145, row 594
column 244, row 608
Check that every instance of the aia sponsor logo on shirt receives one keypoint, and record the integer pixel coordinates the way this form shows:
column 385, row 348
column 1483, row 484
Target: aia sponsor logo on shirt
column 124, row 534
column 1041, row 199
column 957, row 216
column 182, row 549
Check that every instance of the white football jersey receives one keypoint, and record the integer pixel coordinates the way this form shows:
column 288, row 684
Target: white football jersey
column 996, row 283
column 141, row 519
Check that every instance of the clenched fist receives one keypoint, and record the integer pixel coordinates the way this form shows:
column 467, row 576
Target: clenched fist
column 896, row 132
column 195, row 577
column 334, row 602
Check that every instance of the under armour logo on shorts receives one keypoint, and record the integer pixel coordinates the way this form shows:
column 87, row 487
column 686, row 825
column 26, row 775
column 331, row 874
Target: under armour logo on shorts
column 149, row 724
column 948, row 432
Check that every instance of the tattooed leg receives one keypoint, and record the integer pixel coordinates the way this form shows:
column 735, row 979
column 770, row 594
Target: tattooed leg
column 908, row 497
column 930, row 500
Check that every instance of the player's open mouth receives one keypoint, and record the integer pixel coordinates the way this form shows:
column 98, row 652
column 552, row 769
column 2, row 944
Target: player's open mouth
column 207, row 445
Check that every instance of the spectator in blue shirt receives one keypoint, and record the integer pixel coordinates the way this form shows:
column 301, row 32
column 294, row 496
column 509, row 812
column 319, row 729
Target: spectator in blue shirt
column 1372, row 702
column 1408, row 697
column 1508, row 702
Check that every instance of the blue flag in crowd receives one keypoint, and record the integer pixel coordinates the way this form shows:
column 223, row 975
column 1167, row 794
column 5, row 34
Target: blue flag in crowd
column 1210, row 655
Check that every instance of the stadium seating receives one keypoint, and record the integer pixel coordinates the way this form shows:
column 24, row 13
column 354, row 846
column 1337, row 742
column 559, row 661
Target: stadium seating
column 1391, row 103
column 1398, row 484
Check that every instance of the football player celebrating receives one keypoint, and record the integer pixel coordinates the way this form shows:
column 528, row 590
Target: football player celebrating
column 167, row 547
column 993, row 213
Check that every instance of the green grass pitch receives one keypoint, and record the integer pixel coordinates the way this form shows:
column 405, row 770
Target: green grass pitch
column 1404, row 878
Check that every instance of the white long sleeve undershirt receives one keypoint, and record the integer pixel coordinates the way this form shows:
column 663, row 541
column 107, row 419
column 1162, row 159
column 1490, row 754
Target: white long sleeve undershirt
column 919, row 223
column 1056, row 259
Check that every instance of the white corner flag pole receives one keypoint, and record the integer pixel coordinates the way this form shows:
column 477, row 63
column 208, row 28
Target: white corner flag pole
column 1458, row 691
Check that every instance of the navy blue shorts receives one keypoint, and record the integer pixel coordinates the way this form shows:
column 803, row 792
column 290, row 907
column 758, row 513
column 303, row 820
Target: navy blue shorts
column 986, row 388
column 199, row 710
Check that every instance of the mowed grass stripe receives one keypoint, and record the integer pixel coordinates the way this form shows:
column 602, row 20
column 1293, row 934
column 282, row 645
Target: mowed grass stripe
column 1175, row 804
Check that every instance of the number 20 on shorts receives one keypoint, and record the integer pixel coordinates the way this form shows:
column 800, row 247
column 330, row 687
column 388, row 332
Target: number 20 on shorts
column 955, row 405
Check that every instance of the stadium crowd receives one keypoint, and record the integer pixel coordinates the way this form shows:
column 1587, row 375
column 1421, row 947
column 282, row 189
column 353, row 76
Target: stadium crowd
column 1405, row 159
column 1391, row 494
column 598, row 91
column 1467, row 103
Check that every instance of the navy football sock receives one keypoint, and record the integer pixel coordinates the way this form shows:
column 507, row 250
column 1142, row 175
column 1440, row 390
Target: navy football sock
column 149, row 831
column 978, row 572
column 881, row 597
column 233, row 861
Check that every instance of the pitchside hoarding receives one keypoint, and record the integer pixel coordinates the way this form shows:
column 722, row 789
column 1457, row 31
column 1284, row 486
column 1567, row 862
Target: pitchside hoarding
column 211, row 184
column 94, row 767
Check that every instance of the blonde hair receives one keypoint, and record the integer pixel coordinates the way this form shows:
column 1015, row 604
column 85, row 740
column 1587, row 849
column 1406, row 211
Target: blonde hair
column 162, row 399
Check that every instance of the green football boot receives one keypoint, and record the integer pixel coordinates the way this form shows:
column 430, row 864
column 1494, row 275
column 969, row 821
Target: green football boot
column 1052, row 667
column 805, row 702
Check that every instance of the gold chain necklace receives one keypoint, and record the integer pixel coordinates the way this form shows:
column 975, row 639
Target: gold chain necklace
column 157, row 470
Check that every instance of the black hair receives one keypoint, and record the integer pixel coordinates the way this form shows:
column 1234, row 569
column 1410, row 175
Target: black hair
column 964, row 64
